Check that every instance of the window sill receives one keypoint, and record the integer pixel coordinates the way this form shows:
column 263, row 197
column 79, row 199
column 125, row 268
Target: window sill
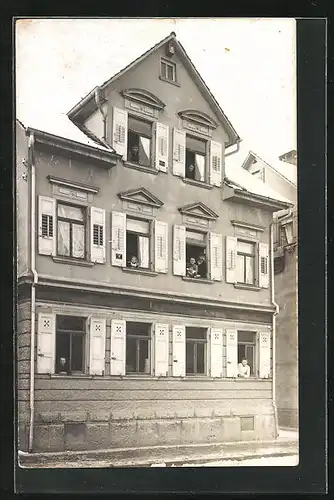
column 77, row 375
column 243, row 286
column 139, row 271
column 66, row 260
column 193, row 182
column 198, row 280
column 169, row 81
column 135, row 166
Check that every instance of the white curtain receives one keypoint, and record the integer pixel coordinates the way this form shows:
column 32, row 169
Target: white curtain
column 63, row 238
column 143, row 244
column 78, row 239
column 200, row 167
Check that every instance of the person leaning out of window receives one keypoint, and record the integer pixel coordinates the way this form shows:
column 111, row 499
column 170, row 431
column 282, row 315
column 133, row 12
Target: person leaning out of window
column 192, row 268
column 243, row 369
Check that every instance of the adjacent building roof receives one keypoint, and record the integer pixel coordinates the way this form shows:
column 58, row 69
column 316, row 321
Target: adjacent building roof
column 286, row 170
column 89, row 103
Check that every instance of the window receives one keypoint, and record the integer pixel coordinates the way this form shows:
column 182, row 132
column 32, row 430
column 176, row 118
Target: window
column 71, row 231
column 137, row 243
column 70, row 337
column 168, row 70
column 279, row 264
column 286, row 234
column 246, row 349
column 195, row 158
column 139, row 141
column 245, row 262
column 196, row 260
column 196, row 342
column 138, row 347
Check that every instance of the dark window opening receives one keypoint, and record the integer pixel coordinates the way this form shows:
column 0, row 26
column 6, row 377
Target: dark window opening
column 70, row 349
column 138, row 338
column 196, row 341
column 278, row 264
column 196, row 259
column 71, row 231
column 246, row 349
column 195, row 159
column 139, row 141
column 246, row 262
column 137, row 244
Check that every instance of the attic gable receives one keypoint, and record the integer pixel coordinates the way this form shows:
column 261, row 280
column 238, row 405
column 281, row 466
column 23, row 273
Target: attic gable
column 78, row 110
column 141, row 196
column 199, row 210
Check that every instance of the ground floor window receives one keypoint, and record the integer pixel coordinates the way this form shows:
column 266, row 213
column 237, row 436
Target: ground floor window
column 196, row 261
column 137, row 243
column 138, row 347
column 196, row 345
column 246, row 349
column 70, row 344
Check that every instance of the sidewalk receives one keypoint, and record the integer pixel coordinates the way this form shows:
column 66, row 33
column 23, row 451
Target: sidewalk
column 166, row 456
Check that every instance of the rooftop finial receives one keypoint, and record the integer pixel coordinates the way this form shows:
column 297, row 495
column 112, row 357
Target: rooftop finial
column 173, row 33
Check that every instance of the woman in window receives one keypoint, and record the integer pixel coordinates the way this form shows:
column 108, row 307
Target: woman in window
column 201, row 264
column 192, row 268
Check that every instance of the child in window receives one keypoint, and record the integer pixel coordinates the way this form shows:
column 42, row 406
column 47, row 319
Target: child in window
column 133, row 263
column 192, row 268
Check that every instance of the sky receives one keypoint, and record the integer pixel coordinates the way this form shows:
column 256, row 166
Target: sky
column 248, row 64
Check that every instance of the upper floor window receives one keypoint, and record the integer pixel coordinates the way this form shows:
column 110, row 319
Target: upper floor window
column 195, row 158
column 246, row 262
column 71, row 231
column 139, row 141
column 137, row 243
column 168, row 70
column 196, row 244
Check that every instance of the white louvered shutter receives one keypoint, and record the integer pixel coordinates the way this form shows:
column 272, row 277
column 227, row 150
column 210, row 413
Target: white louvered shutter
column 46, row 225
column 98, row 235
column 215, row 164
column 161, row 247
column 179, row 351
column 117, row 347
column 264, row 354
column 161, row 345
column 263, row 265
column 120, row 132
column 216, row 256
column 179, row 250
column 46, row 343
column 179, row 152
column 216, row 351
column 231, row 353
column 161, row 147
column 231, row 259
column 118, row 239
column 97, row 334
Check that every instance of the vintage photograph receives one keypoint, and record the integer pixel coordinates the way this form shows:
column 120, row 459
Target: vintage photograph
column 156, row 220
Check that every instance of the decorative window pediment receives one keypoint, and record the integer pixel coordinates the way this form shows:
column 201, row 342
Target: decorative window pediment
column 199, row 210
column 144, row 98
column 141, row 196
column 198, row 117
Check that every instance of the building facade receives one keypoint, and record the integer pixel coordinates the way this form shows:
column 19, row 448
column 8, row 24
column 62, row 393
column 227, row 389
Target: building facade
column 143, row 276
column 282, row 176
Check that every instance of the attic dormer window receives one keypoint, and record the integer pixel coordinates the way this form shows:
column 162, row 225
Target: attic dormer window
column 168, row 70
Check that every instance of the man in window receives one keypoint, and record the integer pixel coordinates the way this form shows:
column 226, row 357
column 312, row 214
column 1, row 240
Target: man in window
column 134, row 154
column 202, row 268
column 244, row 369
column 192, row 268
column 190, row 171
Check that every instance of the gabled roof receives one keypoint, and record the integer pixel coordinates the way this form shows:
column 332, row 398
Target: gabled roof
column 88, row 102
column 285, row 170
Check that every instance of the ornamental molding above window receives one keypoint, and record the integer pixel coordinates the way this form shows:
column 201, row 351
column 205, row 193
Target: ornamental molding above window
column 73, row 184
column 141, row 196
column 198, row 120
column 199, row 210
column 244, row 225
column 142, row 99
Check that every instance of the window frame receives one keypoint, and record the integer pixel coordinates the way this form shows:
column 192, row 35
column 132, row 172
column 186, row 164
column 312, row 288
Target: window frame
column 83, row 208
column 204, row 245
column 245, row 255
column 200, row 153
column 150, row 137
column 148, row 235
column 204, row 341
column 139, row 338
column 163, row 75
column 72, row 333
